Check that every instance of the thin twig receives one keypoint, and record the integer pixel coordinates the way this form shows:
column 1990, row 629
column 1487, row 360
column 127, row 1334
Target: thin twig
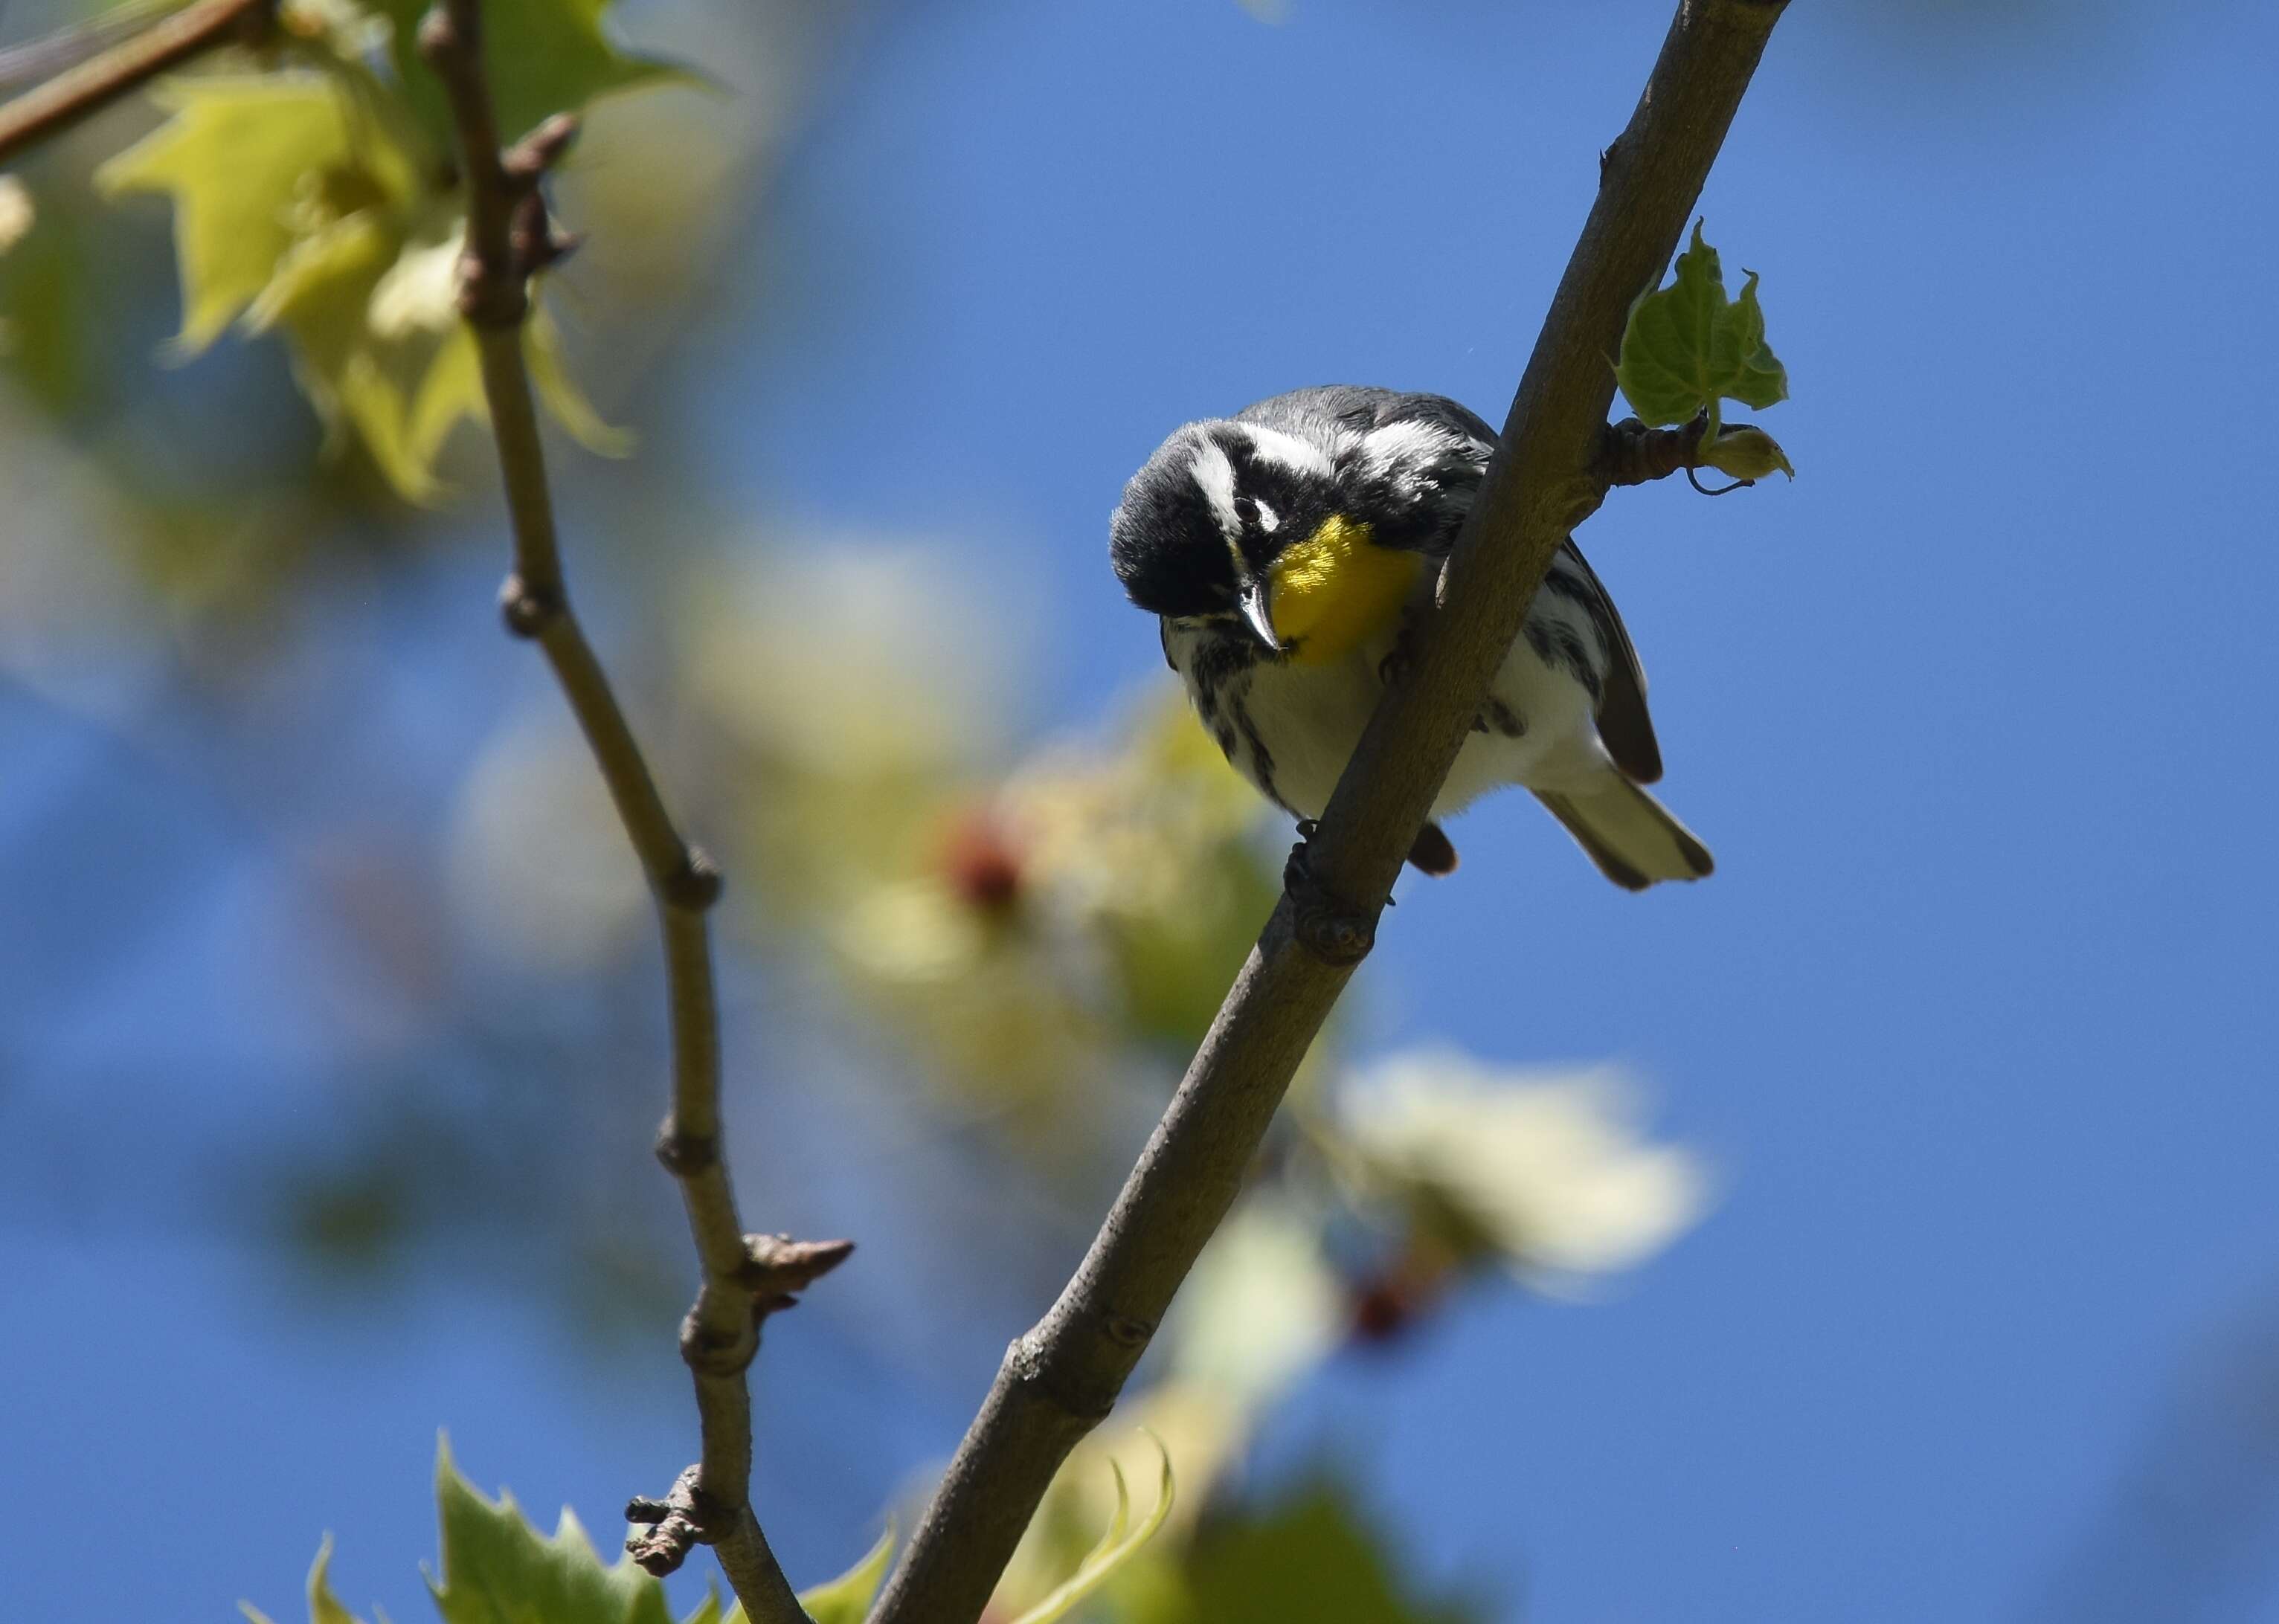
column 51, row 108
column 744, row 1277
column 1060, row 1379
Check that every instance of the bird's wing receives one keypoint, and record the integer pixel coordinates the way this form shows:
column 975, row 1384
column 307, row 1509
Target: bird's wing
column 1625, row 724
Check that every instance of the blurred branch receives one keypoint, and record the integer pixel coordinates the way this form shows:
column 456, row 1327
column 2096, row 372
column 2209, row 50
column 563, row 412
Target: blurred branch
column 51, row 108
column 1062, row 1378
column 510, row 236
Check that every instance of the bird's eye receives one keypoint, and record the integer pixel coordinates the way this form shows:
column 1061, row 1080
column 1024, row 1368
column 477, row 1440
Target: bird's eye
column 1253, row 512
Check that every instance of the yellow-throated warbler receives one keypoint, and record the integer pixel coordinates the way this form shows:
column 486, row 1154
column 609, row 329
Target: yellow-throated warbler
column 1284, row 548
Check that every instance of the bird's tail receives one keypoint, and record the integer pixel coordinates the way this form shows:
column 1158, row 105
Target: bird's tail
column 1629, row 834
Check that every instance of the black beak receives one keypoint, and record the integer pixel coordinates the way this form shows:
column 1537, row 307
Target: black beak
column 1255, row 611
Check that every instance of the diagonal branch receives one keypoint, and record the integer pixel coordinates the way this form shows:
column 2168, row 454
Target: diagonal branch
column 1548, row 475
column 510, row 236
column 54, row 105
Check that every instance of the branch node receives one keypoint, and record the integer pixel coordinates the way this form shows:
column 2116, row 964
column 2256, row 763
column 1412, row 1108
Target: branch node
column 685, row 1154
column 1324, row 926
column 527, row 611
column 1630, row 452
column 718, row 1353
column 672, row 1527
column 695, row 886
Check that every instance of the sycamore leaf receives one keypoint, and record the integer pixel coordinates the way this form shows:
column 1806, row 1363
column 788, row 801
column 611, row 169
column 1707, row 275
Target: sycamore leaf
column 497, row 1570
column 546, row 57
column 845, row 1600
column 324, row 1606
column 1311, row 1559
column 1687, row 346
column 1747, row 453
column 558, row 393
column 1116, row 1546
column 233, row 159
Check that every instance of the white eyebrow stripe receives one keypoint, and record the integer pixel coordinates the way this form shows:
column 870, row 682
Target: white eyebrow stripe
column 1272, row 445
column 1385, row 448
column 1268, row 520
column 1214, row 473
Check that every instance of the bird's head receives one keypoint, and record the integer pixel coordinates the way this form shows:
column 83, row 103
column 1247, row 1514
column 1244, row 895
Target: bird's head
column 1311, row 543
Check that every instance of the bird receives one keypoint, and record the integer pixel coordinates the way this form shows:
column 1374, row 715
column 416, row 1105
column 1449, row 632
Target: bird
column 1286, row 550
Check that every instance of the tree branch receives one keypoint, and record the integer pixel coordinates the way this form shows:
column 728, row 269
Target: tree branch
column 510, row 236
column 1548, row 475
column 52, row 107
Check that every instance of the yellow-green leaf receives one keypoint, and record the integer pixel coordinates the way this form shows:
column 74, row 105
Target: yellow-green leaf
column 1116, row 1547
column 497, row 1569
column 845, row 1600
column 236, row 157
column 1747, row 453
column 558, row 393
column 324, row 1606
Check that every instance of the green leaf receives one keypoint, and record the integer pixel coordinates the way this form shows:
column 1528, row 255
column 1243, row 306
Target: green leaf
column 564, row 401
column 1746, row 453
column 1312, row 1559
column 298, row 210
column 237, row 157
column 1687, row 346
column 324, row 1606
column 845, row 1600
column 1116, row 1546
column 545, row 57
column 497, row 1570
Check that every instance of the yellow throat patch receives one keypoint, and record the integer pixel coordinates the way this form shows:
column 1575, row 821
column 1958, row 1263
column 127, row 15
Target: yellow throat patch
column 1335, row 588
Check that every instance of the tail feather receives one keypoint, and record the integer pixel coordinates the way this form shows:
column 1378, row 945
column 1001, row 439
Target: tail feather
column 1630, row 835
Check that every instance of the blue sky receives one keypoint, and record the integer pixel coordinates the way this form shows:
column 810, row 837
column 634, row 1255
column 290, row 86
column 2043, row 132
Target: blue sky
column 1975, row 1016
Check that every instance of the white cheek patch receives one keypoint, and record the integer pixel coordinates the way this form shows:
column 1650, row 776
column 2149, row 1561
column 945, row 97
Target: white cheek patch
column 1268, row 520
column 1214, row 476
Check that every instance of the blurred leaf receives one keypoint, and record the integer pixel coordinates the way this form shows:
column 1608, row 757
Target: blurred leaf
column 47, row 330
column 1686, row 345
column 1311, row 1559
column 240, row 157
column 497, row 1570
column 1746, row 454
column 324, row 1606
column 299, row 204
column 1116, row 1546
column 1262, row 1308
column 845, row 1600
column 1548, row 1173
column 541, row 347
column 545, row 57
